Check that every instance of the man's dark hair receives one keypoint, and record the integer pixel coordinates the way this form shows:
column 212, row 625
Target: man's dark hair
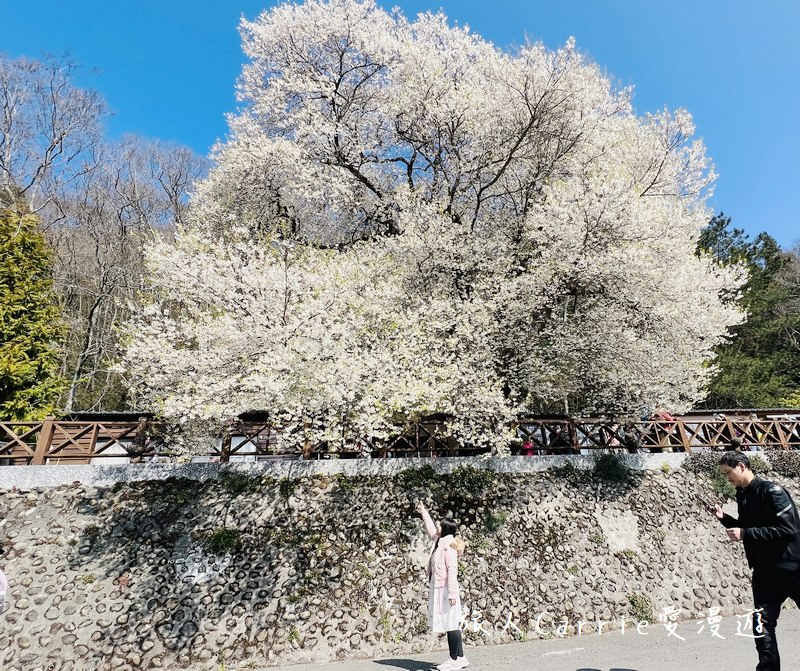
column 733, row 459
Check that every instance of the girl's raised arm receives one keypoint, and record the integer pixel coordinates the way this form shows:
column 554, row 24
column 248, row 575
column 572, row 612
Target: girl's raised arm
column 430, row 527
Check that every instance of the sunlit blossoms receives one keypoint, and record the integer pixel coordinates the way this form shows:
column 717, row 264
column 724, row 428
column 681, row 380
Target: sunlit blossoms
column 406, row 220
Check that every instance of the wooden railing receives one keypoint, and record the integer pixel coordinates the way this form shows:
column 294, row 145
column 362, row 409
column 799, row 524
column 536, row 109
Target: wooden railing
column 54, row 441
column 688, row 433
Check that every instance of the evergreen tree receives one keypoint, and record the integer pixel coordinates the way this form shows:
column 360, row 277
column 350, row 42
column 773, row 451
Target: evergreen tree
column 30, row 322
column 760, row 366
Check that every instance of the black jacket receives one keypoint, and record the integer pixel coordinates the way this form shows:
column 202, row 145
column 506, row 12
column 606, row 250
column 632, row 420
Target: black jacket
column 770, row 526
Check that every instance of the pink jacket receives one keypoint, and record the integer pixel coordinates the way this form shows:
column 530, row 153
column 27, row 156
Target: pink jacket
column 443, row 564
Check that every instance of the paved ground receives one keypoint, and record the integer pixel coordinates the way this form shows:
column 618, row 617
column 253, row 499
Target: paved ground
column 655, row 651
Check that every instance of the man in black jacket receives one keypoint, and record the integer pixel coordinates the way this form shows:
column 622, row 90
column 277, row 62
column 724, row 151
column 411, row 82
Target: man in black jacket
column 769, row 527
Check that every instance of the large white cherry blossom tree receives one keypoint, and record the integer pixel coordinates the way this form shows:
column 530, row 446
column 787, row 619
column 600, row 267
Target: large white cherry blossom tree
column 407, row 220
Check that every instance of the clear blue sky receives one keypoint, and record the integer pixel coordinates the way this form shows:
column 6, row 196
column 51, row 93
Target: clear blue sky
column 168, row 69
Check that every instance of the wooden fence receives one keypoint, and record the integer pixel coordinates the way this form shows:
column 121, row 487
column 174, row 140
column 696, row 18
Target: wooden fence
column 688, row 433
column 55, row 441
column 108, row 441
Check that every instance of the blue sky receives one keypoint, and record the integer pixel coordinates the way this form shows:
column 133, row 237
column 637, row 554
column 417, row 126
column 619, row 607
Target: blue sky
column 168, row 69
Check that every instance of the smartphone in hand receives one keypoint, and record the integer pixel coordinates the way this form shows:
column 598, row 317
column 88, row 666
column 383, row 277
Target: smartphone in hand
column 706, row 502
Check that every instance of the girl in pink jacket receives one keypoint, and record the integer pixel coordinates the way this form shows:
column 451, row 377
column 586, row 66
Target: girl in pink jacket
column 3, row 589
column 444, row 602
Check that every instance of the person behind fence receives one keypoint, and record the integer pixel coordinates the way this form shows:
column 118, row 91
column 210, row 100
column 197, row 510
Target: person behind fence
column 663, row 433
column 444, row 601
column 610, row 434
column 631, row 438
column 559, row 441
column 768, row 526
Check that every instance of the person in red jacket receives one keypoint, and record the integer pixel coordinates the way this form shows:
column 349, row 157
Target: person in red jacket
column 528, row 449
column 444, row 602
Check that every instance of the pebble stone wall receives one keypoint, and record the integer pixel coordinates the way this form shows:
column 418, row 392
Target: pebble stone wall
column 210, row 568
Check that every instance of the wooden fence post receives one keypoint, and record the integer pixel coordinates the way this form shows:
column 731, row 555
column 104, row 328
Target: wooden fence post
column 139, row 441
column 686, row 440
column 225, row 452
column 784, row 441
column 572, row 428
column 43, row 442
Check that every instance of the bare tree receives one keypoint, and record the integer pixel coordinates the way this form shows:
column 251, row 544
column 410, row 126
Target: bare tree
column 49, row 129
column 96, row 202
column 138, row 191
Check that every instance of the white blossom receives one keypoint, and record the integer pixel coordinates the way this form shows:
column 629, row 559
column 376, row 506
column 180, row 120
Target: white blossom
column 406, row 220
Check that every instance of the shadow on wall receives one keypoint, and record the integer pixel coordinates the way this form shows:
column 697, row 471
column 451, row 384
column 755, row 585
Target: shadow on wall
column 244, row 569
column 179, row 566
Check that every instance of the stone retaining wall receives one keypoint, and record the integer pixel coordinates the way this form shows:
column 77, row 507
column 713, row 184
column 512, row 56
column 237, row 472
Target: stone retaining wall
column 36, row 477
column 111, row 568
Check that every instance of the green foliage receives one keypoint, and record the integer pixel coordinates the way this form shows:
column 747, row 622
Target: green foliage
column 287, row 487
column 413, row 478
column 297, row 595
column 236, row 483
column 345, row 483
column 181, row 496
column 707, row 464
column 610, row 468
column 597, row 538
column 319, row 481
column 30, row 322
column 721, row 486
column 492, row 522
column 792, row 400
column 641, row 608
column 311, row 543
column 463, row 571
column 480, row 541
column 385, row 626
column 224, row 540
column 279, row 536
column 470, row 479
column 570, row 473
column 760, row 366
